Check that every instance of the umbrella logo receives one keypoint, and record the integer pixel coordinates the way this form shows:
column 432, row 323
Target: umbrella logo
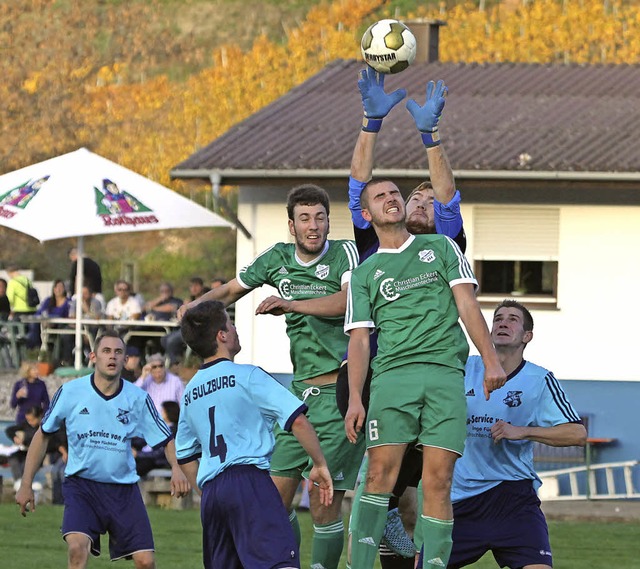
column 20, row 196
column 111, row 200
column 112, row 204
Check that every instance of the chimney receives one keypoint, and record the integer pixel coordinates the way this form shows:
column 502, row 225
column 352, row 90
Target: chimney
column 427, row 34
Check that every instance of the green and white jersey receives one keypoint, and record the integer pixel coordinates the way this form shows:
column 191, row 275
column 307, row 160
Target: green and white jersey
column 317, row 345
column 405, row 294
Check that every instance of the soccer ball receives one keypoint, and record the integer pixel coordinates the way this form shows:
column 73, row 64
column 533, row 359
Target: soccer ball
column 388, row 46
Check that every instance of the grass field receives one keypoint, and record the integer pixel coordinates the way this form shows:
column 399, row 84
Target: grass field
column 35, row 543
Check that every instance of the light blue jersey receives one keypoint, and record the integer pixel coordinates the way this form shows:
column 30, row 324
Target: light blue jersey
column 227, row 417
column 100, row 428
column 532, row 397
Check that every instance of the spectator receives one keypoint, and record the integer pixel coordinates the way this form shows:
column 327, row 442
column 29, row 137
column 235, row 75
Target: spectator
column 29, row 391
column 132, row 369
column 17, row 288
column 147, row 459
column 160, row 384
column 55, row 306
column 91, row 305
column 172, row 343
column 123, row 306
column 5, row 307
column 22, row 433
column 217, row 281
column 165, row 306
column 91, row 273
column 197, row 288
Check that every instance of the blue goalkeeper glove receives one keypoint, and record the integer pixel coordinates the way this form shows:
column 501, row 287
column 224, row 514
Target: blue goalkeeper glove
column 375, row 101
column 428, row 116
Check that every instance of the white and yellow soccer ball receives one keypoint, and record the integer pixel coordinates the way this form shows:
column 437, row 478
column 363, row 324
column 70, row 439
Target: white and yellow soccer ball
column 388, row 46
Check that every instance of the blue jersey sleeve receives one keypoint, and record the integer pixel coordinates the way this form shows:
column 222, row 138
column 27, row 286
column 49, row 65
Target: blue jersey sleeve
column 448, row 217
column 355, row 189
column 188, row 446
column 55, row 414
column 152, row 428
column 554, row 407
column 274, row 401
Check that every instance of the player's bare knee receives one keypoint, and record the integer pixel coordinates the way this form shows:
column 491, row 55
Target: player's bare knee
column 381, row 478
column 321, row 514
column 78, row 555
column 144, row 560
column 436, row 485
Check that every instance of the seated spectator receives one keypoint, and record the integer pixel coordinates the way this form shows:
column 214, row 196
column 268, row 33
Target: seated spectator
column 147, row 458
column 132, row 369
column 160, row 384
column 217, row 281
column 165, row 306
column 91, row 306
column 123, row 306
column 29, row 391
column 22, row 433
column 55, row 306
column 172, row 343
column 5, row 307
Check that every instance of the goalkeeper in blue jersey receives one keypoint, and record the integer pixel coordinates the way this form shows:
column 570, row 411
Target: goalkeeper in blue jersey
column 102, row 413
column 224, row 445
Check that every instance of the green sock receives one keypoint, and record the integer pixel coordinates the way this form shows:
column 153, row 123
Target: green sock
column 368, row 527
column 328, row 541
column 295, row 525
column 437, row 541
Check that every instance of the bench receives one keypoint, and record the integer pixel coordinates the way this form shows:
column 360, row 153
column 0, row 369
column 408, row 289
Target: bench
column 156, row 491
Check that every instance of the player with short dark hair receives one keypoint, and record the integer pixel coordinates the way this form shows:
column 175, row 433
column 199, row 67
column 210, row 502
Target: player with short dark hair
column 224, row 445
column 412, row 292
column 102, row 413
column 312, row 269
column 494, row 493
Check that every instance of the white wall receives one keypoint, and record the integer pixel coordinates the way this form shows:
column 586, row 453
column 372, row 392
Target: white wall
column 594, row 332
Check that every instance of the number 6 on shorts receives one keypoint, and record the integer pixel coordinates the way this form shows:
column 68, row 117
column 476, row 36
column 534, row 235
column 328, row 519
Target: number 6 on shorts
column 373, row 430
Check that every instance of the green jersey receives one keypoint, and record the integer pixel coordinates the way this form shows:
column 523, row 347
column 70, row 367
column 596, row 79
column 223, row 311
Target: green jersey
column 317, row 345
column 405, row 294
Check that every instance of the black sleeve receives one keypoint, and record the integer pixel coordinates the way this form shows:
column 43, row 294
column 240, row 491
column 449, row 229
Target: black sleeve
column 366, row 241
column 461, row 240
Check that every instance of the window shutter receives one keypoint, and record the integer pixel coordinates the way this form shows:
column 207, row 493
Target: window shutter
column 524, row 233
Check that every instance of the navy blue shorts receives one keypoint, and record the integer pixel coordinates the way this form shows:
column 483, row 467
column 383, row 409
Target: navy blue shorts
column 94, row 508
column 245, row 523
column 506, row 520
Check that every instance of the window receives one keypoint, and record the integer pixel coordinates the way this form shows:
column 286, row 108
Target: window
column 515, row 252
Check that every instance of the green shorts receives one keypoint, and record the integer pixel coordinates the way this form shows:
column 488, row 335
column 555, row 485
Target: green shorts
column 418, row 402
column 290, row 460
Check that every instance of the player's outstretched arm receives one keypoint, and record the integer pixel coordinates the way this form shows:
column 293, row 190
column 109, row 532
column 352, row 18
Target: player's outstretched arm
column 324, row 306
column 35, row 456
column 319, row 475
column 474, row 322
column 427, row 119
column 565, row 435
column 227, row 293
column 358, row 366
column 180, row 485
